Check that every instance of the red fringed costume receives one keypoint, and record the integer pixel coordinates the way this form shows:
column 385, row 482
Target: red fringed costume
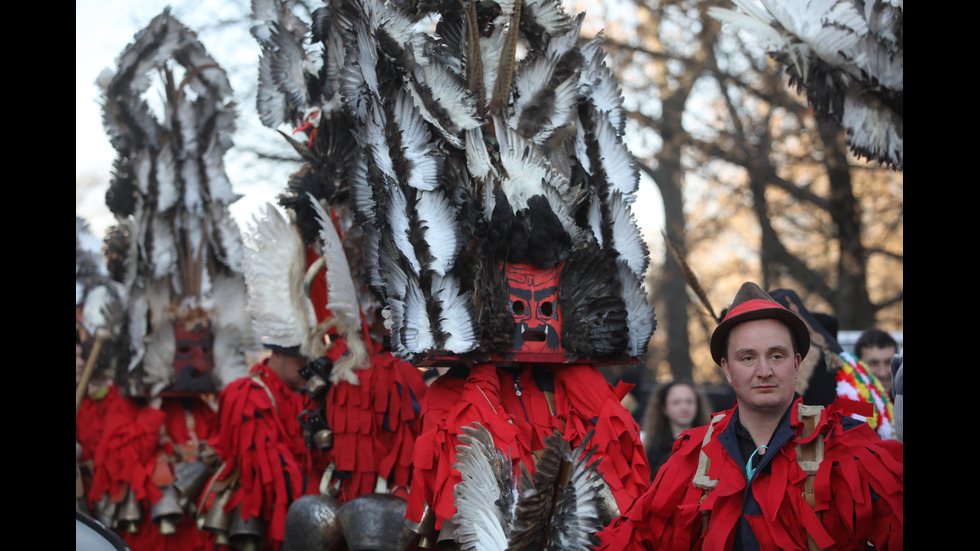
column 515, row 409
column 261, row 446
column 858, row 492
column 89, row 426
column 138, row 451
column 374, row 424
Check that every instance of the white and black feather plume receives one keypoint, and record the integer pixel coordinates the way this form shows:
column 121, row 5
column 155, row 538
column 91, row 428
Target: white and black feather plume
column 454, row 155
column 501, row 507
column 475, row 157
column 168, row 113
column 275, row 270
column 846, row 56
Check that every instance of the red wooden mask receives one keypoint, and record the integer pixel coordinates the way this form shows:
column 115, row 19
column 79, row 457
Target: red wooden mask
column 193, row 358
column 534, row 304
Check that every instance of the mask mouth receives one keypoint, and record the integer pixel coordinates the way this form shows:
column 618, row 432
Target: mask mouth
column 534, row 335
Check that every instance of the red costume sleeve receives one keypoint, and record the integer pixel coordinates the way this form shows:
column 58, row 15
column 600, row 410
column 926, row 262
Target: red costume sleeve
column 128, row 452
column 590, row 402
column 91, row 420
column 375, row 424
column 254, row 442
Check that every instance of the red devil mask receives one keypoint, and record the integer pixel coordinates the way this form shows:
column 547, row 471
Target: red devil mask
column 193, row 360
column 534, row 304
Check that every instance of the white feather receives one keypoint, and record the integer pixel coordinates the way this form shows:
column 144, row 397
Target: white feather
column 627, row 240
column 479, row 520
column 416, row 325
column 274, row 270
column 342, row 300
column 457, row 318
column 441, row 231
column 341, row 291
column 424, row 161
column 400, row 224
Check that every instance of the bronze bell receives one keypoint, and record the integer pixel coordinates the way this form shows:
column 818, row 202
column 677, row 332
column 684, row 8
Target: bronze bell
column 426, row 530
column 311, row 525
column 376, row 522
column 105, row 511
column 323, row 439
column 217, row 521
column 246, row 534
column 167, row 511
column 189, row 480
column 315, row 385
column 128, row 514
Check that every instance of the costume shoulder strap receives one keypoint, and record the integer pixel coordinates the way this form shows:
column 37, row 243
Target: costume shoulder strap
column 701, row 479
column 809, row 455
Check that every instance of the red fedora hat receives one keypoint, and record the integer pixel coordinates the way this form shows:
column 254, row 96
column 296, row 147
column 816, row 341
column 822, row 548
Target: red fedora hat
column 752, row 303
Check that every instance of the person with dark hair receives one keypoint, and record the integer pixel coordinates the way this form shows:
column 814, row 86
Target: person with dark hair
column 770, row 473
column 674, row 408
column 898, row 390
column 876, row 348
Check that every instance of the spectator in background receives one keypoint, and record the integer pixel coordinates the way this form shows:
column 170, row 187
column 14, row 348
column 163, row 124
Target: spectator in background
column 898, row 391
column 875, row 349
column 674, row 407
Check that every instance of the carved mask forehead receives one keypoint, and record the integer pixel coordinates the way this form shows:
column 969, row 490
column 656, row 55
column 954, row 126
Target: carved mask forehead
column 193, row 358
column 534, row 305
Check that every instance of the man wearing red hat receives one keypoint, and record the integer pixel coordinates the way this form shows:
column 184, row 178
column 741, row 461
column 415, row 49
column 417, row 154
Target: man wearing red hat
column 771, row 473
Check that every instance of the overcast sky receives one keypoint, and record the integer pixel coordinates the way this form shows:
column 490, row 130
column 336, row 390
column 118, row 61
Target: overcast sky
column 103, row 28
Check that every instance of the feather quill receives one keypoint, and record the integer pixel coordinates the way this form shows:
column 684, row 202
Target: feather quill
column 690, row 276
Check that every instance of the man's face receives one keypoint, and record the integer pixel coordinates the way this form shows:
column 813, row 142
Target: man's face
column 879, row 362
column 287, row 367
column 761, row 366
column 534, row 304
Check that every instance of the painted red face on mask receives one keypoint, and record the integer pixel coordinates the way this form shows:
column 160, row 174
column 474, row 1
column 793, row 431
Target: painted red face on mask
column 534, row 304
column 193, row 360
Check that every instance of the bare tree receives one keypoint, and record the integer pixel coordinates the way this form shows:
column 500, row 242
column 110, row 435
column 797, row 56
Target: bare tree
column 754, row 186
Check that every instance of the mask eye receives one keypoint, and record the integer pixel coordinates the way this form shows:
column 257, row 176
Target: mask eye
column 518, row 307
column 546, row 309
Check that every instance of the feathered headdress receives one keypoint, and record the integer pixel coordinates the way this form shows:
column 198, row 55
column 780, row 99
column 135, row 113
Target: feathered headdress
column 275, row 271
column 297, row 89
column 847, row 56
column 100, row 302
column 471, row 159
column 171, row 192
